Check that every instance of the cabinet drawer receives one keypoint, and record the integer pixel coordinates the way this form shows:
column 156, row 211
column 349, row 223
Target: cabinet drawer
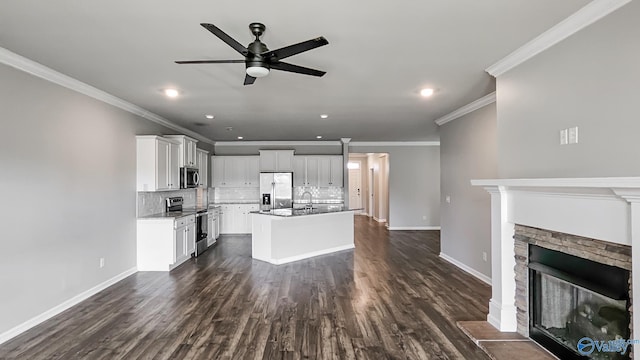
column 184, row 221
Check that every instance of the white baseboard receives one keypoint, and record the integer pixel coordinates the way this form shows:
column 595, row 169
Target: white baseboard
column 11, row 333
column 311, row 254
column 484, row 278
column 414, row 227
column 379, row 220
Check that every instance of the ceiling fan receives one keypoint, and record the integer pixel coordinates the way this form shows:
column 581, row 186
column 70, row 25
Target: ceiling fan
column 258, row 58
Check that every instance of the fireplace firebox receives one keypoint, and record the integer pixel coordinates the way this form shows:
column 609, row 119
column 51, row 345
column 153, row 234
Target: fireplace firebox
column 571, row 298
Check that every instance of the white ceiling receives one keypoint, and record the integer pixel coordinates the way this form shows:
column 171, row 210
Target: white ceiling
column 380, row 54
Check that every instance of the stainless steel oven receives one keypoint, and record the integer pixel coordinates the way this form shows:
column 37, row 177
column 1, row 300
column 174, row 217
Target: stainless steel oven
column 189, row 177
column 202, row 229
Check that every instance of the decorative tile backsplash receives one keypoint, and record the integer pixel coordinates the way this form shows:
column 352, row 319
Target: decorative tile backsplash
column 153, row 202
column 221, row 195
column 327, row 195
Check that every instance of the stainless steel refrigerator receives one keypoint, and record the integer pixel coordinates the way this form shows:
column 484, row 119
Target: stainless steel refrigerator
column 276, row 190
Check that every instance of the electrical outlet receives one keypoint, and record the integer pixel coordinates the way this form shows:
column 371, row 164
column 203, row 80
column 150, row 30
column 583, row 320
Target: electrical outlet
column 484, row 255
column 448, row 199
column 101, row 262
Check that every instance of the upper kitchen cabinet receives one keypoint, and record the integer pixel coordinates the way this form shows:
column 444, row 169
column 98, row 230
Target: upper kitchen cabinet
column 330, row 170
column 188, row 150
column 235, row 171
column 158, row 165
column 317, row 170
column 276, row 160
column 305, row 170
column 202, row 163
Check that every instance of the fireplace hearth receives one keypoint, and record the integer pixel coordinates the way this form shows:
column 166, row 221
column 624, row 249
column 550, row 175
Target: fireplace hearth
column 571, row 298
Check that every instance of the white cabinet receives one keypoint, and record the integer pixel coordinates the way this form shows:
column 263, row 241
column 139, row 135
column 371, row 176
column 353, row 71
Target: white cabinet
column 236, row 218
column 164, row 243
column 276, row 160
column 305, row 171
column 330, row 171
column 252, row 171
column 157, row 164
column 184, row 239
column 188, row 151
column 213, row 231
column 337, row 171
column 317, row 170
column 299, row 170
column 235, row 171
column 202, row 162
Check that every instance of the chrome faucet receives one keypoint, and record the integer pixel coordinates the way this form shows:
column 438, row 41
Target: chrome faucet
column 309, row 205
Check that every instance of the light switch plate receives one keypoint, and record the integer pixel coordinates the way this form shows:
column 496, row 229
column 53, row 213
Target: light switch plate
column 573, row 135
column 564, row 136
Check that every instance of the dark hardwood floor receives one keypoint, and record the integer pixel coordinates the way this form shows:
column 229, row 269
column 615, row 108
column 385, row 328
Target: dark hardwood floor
column 390, row 298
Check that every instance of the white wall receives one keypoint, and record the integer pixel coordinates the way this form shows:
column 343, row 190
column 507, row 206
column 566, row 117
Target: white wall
column 589, row 80
column 414, row 184
column 468, row 150
column 68, row 177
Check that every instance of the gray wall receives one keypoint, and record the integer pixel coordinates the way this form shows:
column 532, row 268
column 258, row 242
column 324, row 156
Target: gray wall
column 68, row 176
column 299, row 149
column 589, row 80
column 468, row 150
column 414, row 183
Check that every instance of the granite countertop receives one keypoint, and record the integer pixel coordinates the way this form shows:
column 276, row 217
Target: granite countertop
column 323, row 202
column 227, row 202
column 174, row 214
column 302, row 212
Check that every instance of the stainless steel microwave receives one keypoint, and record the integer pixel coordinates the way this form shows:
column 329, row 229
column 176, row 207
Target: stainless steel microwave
column 189, row 177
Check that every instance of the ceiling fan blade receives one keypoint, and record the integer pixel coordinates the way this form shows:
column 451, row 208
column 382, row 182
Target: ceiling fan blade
column 296, row 69
column 226, row 38
column 249, row 80
column 294, row 49
column 210, row 62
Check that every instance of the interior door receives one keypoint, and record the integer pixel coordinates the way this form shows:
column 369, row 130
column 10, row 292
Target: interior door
column 355, row 190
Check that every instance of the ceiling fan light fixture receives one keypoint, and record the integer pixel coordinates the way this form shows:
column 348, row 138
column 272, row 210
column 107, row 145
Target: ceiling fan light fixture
column 257, row 71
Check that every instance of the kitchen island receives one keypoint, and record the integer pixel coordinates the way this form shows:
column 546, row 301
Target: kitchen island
column 285, row 235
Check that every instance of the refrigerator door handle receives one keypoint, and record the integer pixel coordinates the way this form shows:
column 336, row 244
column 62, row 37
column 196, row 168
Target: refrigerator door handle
column 273, row 195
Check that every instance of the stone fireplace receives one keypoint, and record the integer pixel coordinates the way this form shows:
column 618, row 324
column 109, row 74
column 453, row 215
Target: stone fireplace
column 569, row 287
column 565, row 248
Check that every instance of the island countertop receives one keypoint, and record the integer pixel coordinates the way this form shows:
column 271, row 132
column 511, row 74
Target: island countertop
column 302, row 211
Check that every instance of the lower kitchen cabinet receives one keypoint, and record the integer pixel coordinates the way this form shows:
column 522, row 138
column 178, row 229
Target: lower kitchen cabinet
column 165, row 243
column 235, row 218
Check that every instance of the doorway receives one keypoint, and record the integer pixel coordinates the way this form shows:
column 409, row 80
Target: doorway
column 355, row 186
column 370, row 172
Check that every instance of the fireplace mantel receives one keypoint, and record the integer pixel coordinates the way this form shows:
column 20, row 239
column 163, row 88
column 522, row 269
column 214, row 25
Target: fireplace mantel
column 607, row 209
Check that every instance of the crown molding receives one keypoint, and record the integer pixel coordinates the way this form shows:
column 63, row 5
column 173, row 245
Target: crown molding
column 36, row 69
column 582, row 18
column 278, row 143
column 395, row 143
column 471, row 107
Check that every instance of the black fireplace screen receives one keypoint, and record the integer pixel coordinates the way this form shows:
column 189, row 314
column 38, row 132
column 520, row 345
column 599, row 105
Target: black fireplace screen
column 567, row 306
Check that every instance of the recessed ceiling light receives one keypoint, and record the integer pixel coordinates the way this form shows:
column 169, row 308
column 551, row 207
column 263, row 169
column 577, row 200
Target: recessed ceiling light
column 324, row 116
column 240, row 137
column 209, row 116
column 319, row 137
column 426, row 92
column 171, row 92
